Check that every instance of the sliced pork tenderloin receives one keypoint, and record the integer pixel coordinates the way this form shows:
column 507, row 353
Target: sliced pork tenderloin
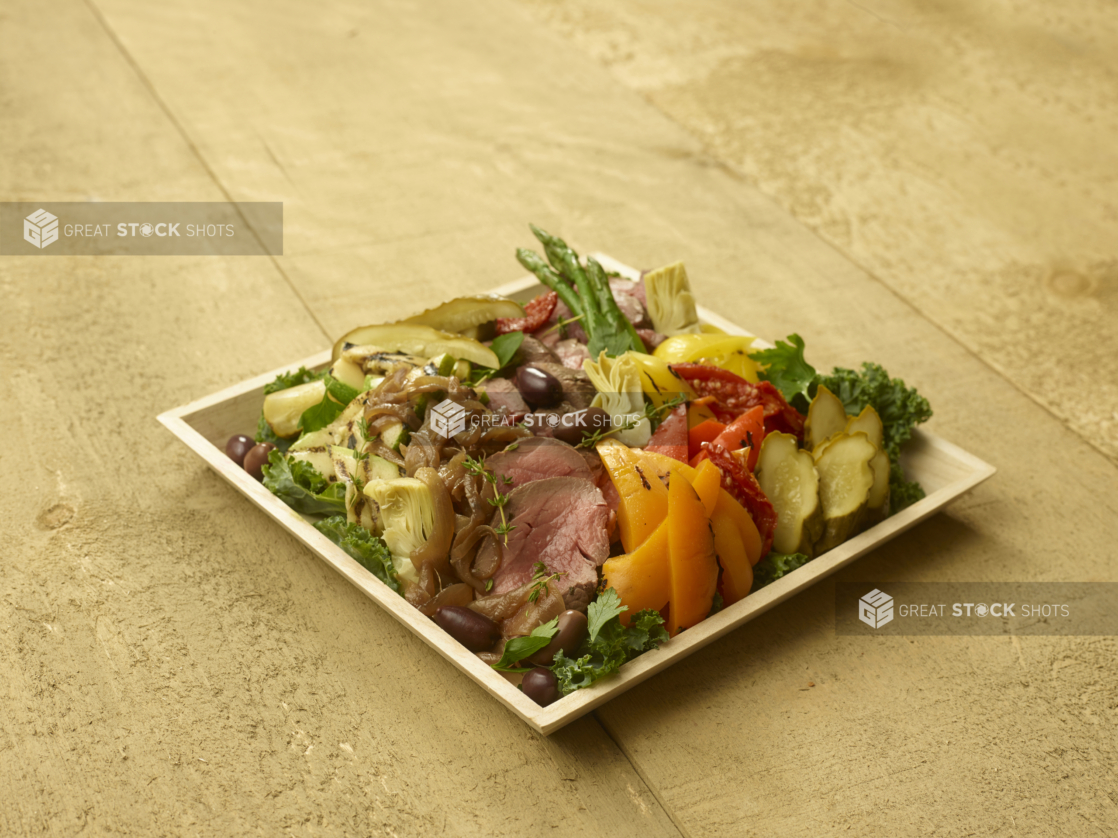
column 537, row 458
column 502, row 393
column 563, row 522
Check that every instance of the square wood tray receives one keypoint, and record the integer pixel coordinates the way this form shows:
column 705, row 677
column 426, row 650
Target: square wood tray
column 944, row 470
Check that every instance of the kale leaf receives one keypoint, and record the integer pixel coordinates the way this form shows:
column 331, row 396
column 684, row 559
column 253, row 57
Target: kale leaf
column 901, row 408
column 785, row 367
column 287, row 380
column 609, row 644
column 300, row 486
column 776, row 565
column 902, row 493
column 369, row 551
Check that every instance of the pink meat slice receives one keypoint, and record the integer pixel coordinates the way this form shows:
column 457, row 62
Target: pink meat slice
column 626, row 296
column 562, row 522
column 503, row 393
column 537, row 458
column 571, row 353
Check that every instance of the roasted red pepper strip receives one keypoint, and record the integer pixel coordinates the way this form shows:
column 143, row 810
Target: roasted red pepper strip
column 745, row 489
column 537, row 311
column 733, row 396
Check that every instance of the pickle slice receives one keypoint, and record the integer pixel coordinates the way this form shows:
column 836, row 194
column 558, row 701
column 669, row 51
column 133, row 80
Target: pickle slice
column 418, row 340
column 789, row 480
column 463, row 313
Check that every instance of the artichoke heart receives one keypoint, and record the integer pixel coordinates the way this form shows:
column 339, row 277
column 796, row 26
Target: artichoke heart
column 671, row 305
column 621, row 395
column 405, row 517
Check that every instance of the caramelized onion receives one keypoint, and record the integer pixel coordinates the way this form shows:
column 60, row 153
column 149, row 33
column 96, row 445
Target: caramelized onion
column 499, row 607
column 530, row 615
column 465, row 541
column 453, row 474
column 457, row 594
column 495, row 654
column 419, row 593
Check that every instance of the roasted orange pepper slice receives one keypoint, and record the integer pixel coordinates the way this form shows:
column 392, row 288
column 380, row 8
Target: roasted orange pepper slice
column 641, row 578
column 644, row 498
column 691, row 557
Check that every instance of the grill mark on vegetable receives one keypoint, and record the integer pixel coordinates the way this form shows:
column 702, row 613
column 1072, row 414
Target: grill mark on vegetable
column 644, row 481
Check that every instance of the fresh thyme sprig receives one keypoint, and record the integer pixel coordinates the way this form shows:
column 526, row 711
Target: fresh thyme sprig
column 563, row 323
column 499, row 499
column 542, row 578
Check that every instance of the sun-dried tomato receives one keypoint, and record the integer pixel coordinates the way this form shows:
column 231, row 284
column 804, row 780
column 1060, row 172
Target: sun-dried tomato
column 745, row 489
column 733, row 396
column 537, row 311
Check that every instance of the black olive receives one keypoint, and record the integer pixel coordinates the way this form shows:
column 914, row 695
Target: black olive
column 574, row 427
column 238, row 446
column 541, row 686
column 474, row 631
column 538, row 387
column 257, row 458
column 572, row 630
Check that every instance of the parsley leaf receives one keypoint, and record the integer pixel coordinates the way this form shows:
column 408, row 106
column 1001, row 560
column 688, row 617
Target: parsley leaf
column 300, row 486
column 519, row 648
column 369, row 551
column 787, row 369
column 609, row 645
column 602, row 610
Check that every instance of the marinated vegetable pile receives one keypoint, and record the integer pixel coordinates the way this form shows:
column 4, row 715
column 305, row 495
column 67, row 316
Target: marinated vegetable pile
column 566, row 484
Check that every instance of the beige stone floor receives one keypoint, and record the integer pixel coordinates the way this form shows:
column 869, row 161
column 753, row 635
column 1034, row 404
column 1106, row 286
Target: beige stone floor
column 961, row 153
column 173, row 664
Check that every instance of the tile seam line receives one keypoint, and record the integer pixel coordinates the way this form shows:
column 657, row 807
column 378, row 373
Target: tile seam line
column 644, row 778
column 196, row 152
